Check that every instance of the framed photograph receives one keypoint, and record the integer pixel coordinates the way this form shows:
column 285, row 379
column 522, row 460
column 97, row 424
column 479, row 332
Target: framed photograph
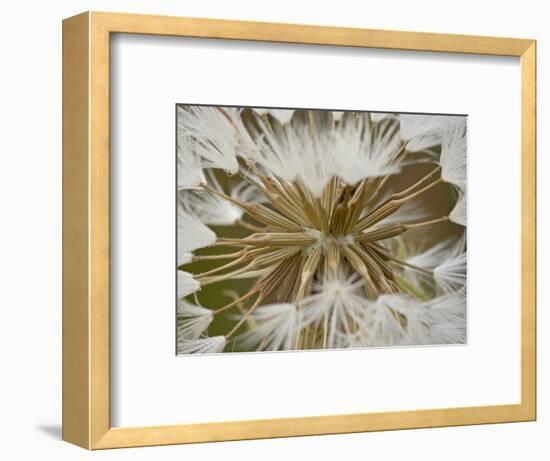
column 276, row 230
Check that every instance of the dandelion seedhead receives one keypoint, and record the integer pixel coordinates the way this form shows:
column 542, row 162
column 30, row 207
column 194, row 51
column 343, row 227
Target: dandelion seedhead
column 328, row 237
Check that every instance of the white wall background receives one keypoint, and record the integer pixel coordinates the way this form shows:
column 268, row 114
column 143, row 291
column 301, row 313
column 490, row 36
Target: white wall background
column 30, row 230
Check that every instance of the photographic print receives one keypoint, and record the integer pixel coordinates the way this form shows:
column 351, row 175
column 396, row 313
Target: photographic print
column 302, row 229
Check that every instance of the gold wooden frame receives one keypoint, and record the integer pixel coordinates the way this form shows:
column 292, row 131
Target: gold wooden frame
column 86, row 404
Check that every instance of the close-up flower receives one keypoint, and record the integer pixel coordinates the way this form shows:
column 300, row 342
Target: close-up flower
column 313, row 229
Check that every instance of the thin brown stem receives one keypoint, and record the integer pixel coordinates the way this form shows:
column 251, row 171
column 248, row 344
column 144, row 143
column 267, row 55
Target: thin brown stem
column 220, row 278
column 221, row 268
column 426, row 223
column 418, row 192
column 217, row 257
column 251, row 227
column 235, row 302
column 385, row 232
column 229, row 335
column 420, row 182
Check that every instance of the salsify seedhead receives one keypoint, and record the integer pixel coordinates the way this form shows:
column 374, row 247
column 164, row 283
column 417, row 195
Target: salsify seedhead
column 324, row 226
